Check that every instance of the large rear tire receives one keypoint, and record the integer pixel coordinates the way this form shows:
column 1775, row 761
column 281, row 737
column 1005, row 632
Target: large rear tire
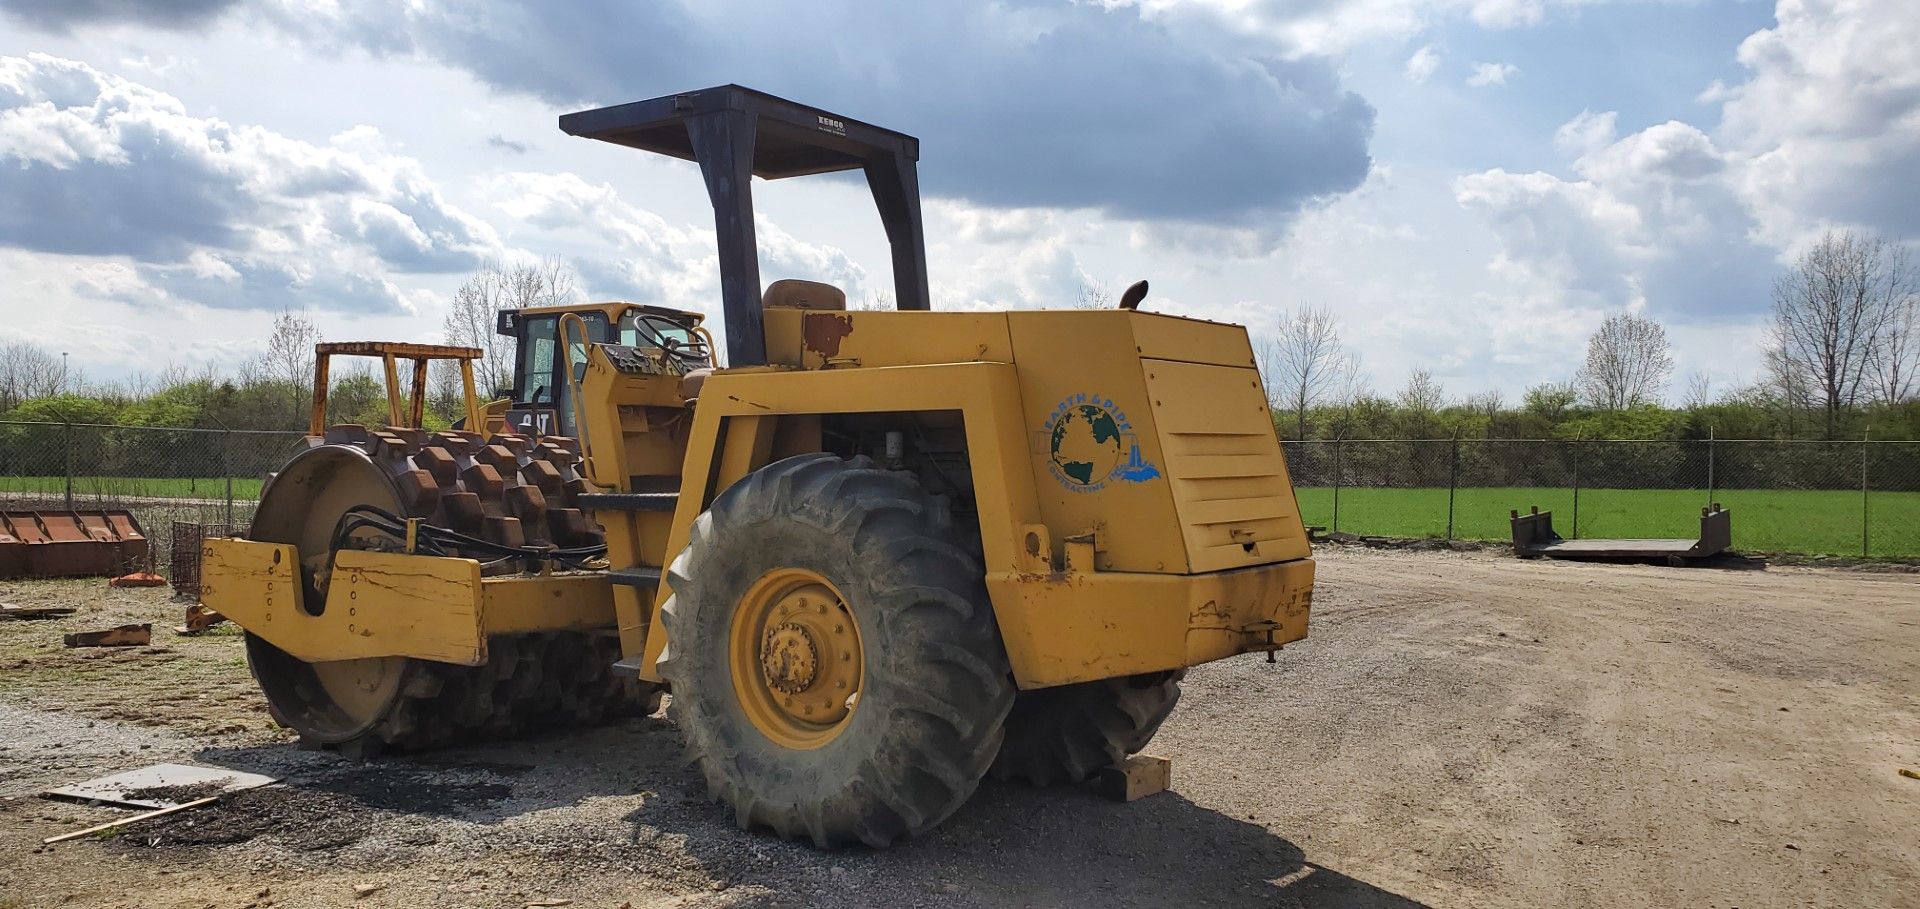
column 1068, row 733
column 815, row 573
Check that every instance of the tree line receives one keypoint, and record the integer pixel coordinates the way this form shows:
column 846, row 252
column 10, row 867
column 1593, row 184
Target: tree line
column 274, row 390
column 1841, row 362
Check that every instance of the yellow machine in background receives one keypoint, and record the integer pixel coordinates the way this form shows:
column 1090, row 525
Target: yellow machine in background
column 877, row 557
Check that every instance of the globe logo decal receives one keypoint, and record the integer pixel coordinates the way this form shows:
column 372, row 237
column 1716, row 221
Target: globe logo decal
column 1090, row 444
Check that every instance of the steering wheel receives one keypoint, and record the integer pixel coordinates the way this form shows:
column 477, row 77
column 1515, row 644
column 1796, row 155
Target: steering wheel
column 687, row 355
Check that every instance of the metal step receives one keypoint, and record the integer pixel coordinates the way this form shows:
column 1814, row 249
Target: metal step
column 643, row 576
column 629, row 501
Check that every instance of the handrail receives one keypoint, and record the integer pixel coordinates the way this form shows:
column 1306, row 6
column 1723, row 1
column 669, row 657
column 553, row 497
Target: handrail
column 573, row 382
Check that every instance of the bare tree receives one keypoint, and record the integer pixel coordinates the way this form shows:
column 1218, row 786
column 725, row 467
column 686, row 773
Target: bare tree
column 1550, row 400
column 1898, row 359
column 1833, row 311
column 1484, row 407
column 548, row 282
column 1302, row 363
column 1421, row 401
column 289, row 356
column 496, row 286
column 1628, row 362
column 1486, row 404
column 1699, row 390
column 27, row 371
column 288, row 360
column 1351, row 384
column 874, row 302
column 1423, row 395
column 1786, row 387
column 1093, row 295
column 1352, row 392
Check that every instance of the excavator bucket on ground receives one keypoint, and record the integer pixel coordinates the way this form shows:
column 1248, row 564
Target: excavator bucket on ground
column 70, row 544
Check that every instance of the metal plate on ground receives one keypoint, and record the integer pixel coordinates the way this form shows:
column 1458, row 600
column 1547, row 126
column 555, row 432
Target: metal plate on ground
column 159, row 786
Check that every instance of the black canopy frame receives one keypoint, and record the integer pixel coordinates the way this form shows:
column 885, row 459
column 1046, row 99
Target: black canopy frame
column 736, row 134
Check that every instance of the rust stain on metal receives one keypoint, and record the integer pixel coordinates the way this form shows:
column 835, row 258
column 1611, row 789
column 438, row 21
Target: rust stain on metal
column 821, row 332
column 199, row 619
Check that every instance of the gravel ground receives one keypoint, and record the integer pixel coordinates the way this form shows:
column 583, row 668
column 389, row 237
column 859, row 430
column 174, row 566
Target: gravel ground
column 1461, row 729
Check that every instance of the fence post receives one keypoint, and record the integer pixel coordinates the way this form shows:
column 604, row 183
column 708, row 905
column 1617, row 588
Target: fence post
column 1576, row 487
column 1453, row 481
column 1711, row 449
column 69, row 458
column 1337, row 477
column 226, row 467
column 1864, row 437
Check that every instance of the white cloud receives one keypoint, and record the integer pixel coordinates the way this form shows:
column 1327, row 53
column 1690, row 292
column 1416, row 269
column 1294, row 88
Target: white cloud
column 1485, row 74
column 1041, row 274
column 1499, row 275
column 1421, row 65
column 1029, row 103
column 987, row 225
column 1825, row 132
column 1314, row 28
column 625, row 252
column 1587, row 132
column 1828, row 123
column 1653, row 219
column 228, row 216
column 1510, row 13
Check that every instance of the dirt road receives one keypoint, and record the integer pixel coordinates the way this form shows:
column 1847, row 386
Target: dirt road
column 1461, row 729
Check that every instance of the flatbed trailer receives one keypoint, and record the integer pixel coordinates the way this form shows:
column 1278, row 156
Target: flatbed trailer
column 1534, row 537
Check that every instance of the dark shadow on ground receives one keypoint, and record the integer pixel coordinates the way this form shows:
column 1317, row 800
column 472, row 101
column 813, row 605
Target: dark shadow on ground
column 1059, row 847
column 1009, row 846
column 325, row 801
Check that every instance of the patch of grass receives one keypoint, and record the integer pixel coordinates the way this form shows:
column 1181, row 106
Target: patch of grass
column 154, row 487
column 1826, row 522
column 199, row 684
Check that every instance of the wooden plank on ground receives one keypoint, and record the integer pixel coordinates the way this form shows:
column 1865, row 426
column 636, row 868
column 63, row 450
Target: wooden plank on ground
column 1136, row 777
column 10, row 611
column 121, row 636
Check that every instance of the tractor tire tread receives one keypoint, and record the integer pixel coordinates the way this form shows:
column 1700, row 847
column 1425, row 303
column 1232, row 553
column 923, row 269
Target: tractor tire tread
column 1068, row 733
column 938, row 688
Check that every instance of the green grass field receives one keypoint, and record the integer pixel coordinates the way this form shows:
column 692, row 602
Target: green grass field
column 1764, row 520
column 142, row 487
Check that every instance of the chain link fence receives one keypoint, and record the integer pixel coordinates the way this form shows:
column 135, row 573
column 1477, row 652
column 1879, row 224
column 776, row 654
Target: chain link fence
column 1858, row 498
column 163, row 475
column 1838, row 498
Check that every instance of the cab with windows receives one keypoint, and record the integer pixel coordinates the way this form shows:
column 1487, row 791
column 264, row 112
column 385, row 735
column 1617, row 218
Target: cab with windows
column 540, row 399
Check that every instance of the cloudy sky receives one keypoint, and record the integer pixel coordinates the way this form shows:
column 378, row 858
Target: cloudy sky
column 1471, row 185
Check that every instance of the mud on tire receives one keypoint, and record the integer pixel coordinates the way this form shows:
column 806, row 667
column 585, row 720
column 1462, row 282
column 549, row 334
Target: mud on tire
column 936, row 685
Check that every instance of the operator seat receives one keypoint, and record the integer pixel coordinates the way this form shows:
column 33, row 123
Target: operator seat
column 786, row 293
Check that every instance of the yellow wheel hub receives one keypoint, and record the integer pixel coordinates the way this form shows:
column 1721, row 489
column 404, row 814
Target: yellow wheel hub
column 795, row 656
